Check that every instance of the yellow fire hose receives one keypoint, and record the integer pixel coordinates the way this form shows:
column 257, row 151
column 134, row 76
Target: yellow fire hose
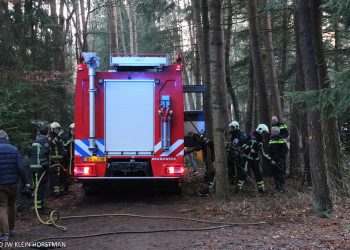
column 54, row 215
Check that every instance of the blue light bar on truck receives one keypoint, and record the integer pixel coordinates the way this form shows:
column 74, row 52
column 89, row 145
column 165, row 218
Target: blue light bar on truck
column 132, row 60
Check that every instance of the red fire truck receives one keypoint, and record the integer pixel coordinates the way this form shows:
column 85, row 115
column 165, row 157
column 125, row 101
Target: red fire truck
column 129, row 120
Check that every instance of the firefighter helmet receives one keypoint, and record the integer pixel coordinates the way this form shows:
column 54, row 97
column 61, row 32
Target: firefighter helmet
column 262, row 128
column 72, row 126
column 54, row 125
column 234, row 124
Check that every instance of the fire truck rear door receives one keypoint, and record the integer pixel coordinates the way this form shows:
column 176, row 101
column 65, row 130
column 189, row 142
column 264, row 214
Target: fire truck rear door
column 129, row 116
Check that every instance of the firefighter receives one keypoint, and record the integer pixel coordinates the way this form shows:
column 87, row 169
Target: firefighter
column 253, row 149
column 69, row 148
column 283, row 127
column 278, row 150
column 39, row 163
column 189, row 154
column 209, row 177
column 233, row 149
column 57, row 159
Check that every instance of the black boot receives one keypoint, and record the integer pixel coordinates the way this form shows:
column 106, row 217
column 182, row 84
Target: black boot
column 204, row 192
column 280, row 187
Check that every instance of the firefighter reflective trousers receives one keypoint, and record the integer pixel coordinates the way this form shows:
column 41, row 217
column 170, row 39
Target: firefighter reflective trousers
column 41, row 197
column 56, row 181
column 243, row 171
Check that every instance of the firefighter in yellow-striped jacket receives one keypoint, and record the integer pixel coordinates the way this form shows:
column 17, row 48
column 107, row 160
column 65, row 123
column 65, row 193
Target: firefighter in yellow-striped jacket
column 69, row 148
column 69, row 160
column 278, row 150
column 57, row 174
column 39, row 162
column 253, row 150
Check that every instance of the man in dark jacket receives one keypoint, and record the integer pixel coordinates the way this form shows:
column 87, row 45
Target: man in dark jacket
column 11, row 168
column 39, row 163
column 278, row 150
column 283, row 127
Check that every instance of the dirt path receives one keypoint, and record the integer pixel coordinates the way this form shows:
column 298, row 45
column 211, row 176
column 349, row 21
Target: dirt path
column 289, row 222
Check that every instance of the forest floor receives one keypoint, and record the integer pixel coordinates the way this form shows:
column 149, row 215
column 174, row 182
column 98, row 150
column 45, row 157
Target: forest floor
column 289, row 222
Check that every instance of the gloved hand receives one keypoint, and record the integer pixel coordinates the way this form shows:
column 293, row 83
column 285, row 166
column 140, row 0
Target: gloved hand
column 205, row 139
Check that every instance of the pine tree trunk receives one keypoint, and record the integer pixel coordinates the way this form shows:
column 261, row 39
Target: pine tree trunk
column 194, row 66
column 54, row 22
column 29, row 28
column 17, row 25
column 216, row 69
column 131, row 25
column 330, row 128
column 306, row 152
column 196, row 63
column 251, row 99
column 122, row 31
column 197, row 77
column 62, row 38
column 109, row 29
column 70, row 53
column 207, row 78
column 226, row 111
column 296, row 116
column 276, row 107
column 115, row 14
column 6, row 22
column 78, row 28
column 111, row 26
column 336, row 47
column 259, row 77
column 135, row 33
column 186, row 82
column 301, row 120
column 204, row 56
column 227, row 41
column 256, row 117
column 322, row 196
column 284, row 50
column 57, row 36
column 4, row 11
column 85, row 46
